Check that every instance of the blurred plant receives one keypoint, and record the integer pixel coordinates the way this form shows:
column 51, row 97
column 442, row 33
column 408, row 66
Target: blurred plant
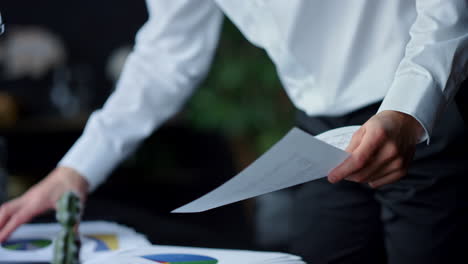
column 242, row 96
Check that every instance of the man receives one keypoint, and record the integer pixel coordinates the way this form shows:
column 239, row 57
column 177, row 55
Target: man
column 392, row 66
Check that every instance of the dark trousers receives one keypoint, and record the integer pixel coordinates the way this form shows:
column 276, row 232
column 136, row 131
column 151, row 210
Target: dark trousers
column 420, row 219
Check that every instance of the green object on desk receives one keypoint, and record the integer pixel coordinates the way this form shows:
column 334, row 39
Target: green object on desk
column 67, row 245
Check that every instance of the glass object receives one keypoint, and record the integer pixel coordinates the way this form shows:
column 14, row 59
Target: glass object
column 2, row 26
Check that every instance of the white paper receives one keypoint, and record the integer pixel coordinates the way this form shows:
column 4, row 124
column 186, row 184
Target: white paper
column 338, row 137
column 98, row 238
column 297, row 158
column 218, row 256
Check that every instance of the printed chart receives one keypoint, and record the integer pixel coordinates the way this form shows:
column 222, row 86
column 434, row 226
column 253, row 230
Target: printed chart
column 35, row 242
column 180, row 259
column 104, row 242
column 26, row 244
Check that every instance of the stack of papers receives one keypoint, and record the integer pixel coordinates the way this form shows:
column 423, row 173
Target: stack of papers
column 104, row 243
column 187, row 255
column 34, row 243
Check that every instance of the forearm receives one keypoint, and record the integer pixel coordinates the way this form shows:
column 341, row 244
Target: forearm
column 172, row 54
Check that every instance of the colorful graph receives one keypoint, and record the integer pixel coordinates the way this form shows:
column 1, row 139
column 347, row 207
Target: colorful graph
column 105, row 242
column 26, row 244
column 180, row 259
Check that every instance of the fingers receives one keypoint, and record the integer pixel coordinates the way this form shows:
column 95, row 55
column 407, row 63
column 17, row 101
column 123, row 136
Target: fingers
column 365, row 146
column 39, row 199
column 385, row 160
column 21, row 210
column 6, row 211
column 12, row 215
column 376, row 165
column 18, row 212
column 13, row 222
column 387, row 179
column 356, row 140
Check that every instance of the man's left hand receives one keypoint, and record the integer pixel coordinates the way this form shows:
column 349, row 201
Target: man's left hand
column 381, row 150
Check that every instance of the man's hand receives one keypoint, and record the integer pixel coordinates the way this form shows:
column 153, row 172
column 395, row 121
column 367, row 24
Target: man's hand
column 381, row 150
column 40, row 198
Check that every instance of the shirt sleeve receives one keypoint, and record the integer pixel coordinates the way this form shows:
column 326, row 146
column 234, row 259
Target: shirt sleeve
column 434, row 64
column 172, row 53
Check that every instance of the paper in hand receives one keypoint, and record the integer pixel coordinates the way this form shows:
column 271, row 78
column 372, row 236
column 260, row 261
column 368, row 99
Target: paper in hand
column 297, row 158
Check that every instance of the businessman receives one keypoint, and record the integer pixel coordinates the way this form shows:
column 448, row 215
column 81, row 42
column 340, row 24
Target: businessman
column 391, row 66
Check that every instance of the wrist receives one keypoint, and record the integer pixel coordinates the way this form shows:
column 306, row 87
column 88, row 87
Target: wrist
column 65, row 179
column 407, row 124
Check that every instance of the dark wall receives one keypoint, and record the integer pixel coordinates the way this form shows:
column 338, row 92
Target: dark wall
column 91, row 30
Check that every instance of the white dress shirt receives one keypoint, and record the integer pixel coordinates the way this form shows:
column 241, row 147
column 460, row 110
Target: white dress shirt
column 332, row 57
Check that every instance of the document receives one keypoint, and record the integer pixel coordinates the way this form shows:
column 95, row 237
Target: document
column 174, row 254
column 297, row 158
column 34, row 243
column 339, row 137
column 104, row 243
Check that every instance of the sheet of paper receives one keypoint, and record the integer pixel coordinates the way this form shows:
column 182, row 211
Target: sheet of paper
column 338, row 137
column 297, row 158
column 173, row 254
column 35, row 242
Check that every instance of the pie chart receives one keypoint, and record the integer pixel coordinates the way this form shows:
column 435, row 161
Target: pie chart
column 104, row 242
column 180, row 259
column 26, row 244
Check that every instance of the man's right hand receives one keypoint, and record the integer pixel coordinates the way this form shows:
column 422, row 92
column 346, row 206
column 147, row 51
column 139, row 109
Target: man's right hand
column 40, row 198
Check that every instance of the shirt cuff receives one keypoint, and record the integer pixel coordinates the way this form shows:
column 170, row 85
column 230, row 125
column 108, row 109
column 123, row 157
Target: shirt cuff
column 93, row 160
column 416, row 95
